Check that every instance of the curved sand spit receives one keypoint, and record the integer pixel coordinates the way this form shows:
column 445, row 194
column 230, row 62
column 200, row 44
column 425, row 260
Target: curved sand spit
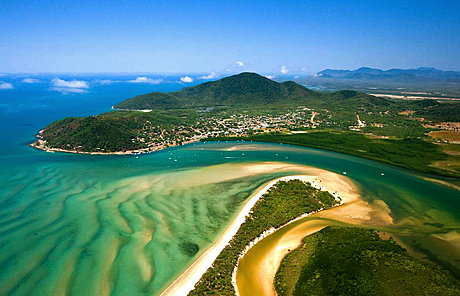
column 257, row 266
column 322, row 179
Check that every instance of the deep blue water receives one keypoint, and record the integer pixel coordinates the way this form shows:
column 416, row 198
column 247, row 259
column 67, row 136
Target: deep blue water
column 29, row 107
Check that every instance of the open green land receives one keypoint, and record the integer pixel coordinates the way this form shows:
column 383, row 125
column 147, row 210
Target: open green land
column 411, row 153
column 355, row 261
column 285, row 201
column 407, row 87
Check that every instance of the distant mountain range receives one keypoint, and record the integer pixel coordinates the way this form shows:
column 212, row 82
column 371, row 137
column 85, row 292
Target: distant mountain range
column 422, row 74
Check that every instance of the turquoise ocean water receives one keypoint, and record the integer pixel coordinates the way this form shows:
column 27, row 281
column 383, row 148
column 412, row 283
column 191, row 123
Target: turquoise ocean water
column 128, row 225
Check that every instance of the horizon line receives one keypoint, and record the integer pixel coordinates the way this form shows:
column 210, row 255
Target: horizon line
column 217, row 72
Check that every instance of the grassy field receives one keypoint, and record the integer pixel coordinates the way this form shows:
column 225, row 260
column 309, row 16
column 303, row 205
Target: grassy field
column 445, row 135
column 451, row 149
column 354, row 261
column 411, row 153
column 285, row 201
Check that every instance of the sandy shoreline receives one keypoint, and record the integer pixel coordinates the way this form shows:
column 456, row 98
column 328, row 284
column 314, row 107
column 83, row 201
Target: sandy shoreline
column 412, row 97
column 187, row 280
column 41, row 145
column 442, row 182
column 257, row 267
column 313, row 181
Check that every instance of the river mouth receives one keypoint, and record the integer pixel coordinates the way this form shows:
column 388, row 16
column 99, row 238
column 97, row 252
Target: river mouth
column 138, row 223
column 257, row 268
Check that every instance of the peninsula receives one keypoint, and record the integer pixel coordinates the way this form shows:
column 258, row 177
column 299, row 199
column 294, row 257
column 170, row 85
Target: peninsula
column 249, row 106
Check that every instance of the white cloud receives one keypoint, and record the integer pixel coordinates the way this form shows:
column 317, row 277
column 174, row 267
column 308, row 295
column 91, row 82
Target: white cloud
column 68, row 90
column 284, row 70
column 146, row 80
column 71, row 86
column 296, row 77
column 236, row 67
column 103, row 81
column 186, row 79
column 30, row 80
column 270, row 76
column 212, row 75
column 5, row 85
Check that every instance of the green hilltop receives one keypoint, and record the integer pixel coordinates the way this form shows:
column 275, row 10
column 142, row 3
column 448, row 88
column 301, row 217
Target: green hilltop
column 237, row 90
column 251, row 89
column 109, row 132
column 121, row 130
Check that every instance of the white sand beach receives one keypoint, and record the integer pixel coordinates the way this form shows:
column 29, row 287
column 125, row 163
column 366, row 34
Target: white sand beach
column 258, row 266
column 320, row 179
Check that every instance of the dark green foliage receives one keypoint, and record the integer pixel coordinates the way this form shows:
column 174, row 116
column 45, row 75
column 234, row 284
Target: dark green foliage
column 189, row 248
column 285, row 201
column 348, row 102
column 251, row 89
column 344, row 94
column 441, row 112
column 410, row 153
column 242, row 89
column 394, row 126
column 326, row 198
column 155, row 100
column 354, row 261
column 113, row 131
column 420, row 104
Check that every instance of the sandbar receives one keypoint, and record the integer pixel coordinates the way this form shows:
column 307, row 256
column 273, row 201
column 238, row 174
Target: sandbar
column 257, row 268
column 319, row 178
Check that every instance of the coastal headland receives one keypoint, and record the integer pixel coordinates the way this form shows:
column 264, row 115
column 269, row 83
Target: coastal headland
column 345, row 121
column 41, row 144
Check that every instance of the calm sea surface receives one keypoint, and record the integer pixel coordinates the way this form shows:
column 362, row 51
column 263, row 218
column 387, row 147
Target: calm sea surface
column 128, row 225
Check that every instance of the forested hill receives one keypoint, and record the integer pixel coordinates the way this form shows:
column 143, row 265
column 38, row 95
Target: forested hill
column 255, row 91
column 242, row 89
column 247, row 104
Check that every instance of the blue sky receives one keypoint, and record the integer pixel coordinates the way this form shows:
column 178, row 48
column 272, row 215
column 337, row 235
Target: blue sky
column 206, row 36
